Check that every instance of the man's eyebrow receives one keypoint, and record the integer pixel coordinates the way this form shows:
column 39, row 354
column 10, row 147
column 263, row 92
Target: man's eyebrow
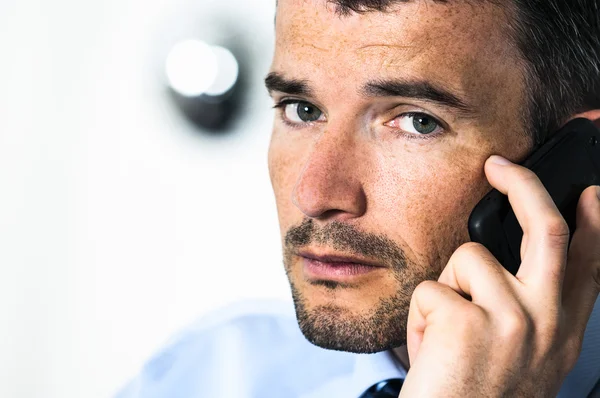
column 277, row 82
column 419, row 89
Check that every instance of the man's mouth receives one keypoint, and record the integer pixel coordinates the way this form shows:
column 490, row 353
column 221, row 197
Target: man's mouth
column 336, row 267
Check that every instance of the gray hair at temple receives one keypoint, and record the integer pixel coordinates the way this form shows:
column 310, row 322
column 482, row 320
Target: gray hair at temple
column 559, row 40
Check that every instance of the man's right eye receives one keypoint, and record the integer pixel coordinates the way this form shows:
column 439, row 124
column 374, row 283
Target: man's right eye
column 299, row 112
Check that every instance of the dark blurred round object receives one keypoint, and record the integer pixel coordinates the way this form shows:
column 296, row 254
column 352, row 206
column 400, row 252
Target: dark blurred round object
column 204, row 82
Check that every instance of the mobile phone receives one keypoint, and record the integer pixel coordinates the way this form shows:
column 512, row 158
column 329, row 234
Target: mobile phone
column 566, row 165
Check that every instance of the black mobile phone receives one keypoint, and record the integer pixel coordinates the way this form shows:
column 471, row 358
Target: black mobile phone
column 567, row 164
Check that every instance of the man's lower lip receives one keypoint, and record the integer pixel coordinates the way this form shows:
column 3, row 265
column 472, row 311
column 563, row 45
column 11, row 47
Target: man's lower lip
column 315, row 269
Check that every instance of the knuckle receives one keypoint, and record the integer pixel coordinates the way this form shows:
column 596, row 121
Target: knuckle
column 470, row 320
column 474, row 315
column 472, row 254
column 470, row 247
column 425, row 288
column 467, row 252
column 558, row 228
column 516, row 325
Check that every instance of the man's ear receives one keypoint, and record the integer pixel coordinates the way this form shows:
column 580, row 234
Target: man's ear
column 593, row 115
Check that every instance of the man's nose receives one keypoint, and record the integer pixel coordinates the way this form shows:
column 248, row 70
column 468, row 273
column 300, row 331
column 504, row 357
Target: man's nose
column 329, row 185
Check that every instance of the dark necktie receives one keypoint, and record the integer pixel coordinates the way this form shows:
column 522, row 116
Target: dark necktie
column 384, row 389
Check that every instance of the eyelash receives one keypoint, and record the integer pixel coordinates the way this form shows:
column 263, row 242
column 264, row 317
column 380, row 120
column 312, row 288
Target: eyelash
column 423, row 137
column 285, row 102
column 281, row 107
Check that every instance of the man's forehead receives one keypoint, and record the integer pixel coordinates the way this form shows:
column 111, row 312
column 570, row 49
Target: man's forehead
column 408, row 27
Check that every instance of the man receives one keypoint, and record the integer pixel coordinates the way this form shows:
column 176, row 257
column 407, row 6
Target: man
column 389, row 114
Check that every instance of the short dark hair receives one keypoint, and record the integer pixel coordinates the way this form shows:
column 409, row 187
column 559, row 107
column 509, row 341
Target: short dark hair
column 559, row 40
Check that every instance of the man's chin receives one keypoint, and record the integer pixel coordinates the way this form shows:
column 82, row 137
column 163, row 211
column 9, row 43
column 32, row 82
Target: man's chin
column 336, row 325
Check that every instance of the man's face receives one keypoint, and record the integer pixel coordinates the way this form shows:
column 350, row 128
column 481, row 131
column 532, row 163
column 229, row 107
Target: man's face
column 378, row 154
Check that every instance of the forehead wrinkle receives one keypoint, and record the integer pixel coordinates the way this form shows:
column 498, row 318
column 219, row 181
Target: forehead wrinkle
column 368, row 46
column 389, row 56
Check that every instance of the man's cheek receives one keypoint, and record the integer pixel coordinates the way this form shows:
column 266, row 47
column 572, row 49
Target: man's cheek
column 282, row 160
column 284, row 174
column 433, row 220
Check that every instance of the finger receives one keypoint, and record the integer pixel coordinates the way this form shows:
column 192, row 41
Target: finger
column 544, row 261
column 431, row 303
column 582, row 277
column 474, row 273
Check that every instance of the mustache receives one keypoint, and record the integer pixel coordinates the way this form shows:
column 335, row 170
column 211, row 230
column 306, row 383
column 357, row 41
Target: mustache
column 345, row 238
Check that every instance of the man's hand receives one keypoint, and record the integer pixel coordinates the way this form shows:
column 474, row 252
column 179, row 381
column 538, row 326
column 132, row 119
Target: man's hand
column 482, row 332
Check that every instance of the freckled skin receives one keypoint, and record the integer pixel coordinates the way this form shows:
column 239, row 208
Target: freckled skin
column 354, row 169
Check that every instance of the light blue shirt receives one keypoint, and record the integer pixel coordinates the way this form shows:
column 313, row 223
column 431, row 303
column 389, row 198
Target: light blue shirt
column 255, row 349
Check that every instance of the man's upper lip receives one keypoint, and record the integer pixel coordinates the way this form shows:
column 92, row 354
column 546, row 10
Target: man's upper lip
column 337, row 258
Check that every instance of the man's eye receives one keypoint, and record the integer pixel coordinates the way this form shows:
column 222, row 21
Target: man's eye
column 417, row 123
column 301, row 112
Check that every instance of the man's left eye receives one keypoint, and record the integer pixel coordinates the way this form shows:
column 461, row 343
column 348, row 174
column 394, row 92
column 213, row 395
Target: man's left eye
column 417, row 123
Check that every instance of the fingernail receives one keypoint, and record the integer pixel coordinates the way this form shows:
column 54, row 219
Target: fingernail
column 500, row 160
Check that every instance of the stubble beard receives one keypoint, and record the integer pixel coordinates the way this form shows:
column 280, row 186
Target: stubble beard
column 380, row 328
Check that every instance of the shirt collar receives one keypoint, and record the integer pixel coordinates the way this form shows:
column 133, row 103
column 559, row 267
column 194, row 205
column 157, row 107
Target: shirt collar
column 368, row 369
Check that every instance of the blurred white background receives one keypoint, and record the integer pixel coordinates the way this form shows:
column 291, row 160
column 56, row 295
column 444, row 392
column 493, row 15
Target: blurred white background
column 120, row 223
